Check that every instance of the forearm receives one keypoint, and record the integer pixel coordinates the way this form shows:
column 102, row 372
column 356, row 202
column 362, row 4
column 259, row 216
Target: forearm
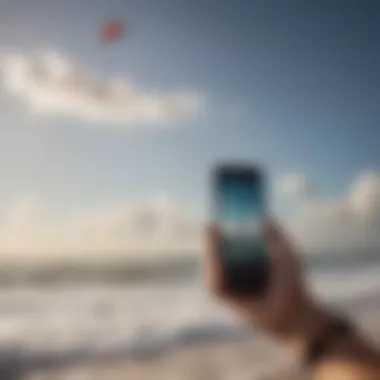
column 347, row 356
column 350, row 357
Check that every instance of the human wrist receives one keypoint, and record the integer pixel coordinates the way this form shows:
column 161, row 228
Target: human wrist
column 313, row 320
column 309, row 320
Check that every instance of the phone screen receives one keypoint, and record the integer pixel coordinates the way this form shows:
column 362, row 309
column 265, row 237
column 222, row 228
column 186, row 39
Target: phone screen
column 241, row 212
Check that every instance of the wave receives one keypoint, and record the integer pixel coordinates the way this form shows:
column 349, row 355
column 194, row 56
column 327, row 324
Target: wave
column 122, row 272
column 177, row 268
column 63, row 325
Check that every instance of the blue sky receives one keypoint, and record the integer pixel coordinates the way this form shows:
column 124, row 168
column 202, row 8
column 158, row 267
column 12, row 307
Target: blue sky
column 294, row 85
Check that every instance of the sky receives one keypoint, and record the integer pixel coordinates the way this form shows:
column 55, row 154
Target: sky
column 108, row 147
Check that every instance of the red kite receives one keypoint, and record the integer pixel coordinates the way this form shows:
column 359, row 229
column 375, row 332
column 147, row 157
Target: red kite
column 112, row 31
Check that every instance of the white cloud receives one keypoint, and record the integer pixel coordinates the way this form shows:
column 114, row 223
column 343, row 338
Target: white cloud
column 50, row 84
column 137, row 231
column 161, row 226
column 296, row 185
column 349, row 223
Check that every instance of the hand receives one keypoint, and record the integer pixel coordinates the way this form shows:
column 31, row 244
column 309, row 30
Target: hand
column 285, row 309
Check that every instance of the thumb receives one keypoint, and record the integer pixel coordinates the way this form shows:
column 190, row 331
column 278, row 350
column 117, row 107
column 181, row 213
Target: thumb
column 276, row 239
column 283, row 257
column 213, row 260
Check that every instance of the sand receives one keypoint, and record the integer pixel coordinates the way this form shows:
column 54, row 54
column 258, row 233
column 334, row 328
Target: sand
column 250, row 358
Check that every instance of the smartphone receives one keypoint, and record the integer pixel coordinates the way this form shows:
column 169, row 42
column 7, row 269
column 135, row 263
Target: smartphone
column 240, row 210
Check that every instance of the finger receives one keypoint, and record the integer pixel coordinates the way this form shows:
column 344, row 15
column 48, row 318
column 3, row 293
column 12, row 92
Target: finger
column 278, row 242
column 283, row 261
column 285, row 265
column 273, row 232
column 213, row 261
column 213, row 246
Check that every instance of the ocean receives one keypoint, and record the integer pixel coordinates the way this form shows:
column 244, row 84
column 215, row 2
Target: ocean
column 64, row 324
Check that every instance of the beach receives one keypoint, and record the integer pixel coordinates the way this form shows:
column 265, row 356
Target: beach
column 166, row 330
column 244, row 359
